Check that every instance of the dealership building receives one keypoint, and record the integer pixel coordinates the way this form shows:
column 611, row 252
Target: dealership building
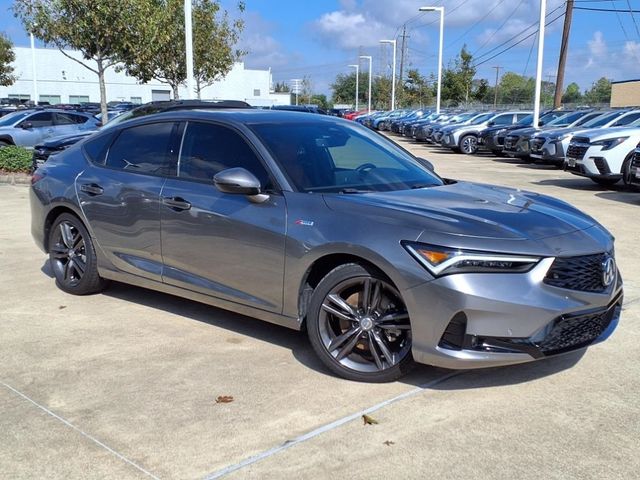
column 60, row 79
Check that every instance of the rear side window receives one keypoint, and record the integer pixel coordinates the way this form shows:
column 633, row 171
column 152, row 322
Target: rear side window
column 208, row 149
column 143, row 149
column 69, row 119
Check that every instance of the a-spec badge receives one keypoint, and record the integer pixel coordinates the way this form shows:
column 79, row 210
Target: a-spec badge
column 306, row 223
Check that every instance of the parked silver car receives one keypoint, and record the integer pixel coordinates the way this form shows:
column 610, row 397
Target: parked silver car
column 27, row 128
column 317, row 223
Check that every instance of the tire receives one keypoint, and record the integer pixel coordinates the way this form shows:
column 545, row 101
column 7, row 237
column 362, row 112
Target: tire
column 347, row 327
column 469, row 144
column 73, row 258
column 528, row 160
column 4, row 144
column 605, row 182
column 497, row 153
column 626, row 172
column 382, row 126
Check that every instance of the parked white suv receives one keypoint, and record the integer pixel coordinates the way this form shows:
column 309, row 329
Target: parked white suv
column 604, row 155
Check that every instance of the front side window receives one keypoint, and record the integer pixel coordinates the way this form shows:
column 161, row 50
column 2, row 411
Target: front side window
column 332, row 157
column 503, row 119
column 42, row 119
column 69, row 119
column 143, row 149
column 627, row 119
column 208, row 149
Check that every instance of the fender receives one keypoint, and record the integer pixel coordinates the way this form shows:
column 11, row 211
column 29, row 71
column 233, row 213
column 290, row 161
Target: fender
column 7, row 139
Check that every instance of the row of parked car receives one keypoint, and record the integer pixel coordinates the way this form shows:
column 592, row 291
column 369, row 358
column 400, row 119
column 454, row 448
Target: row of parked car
column 598, row 144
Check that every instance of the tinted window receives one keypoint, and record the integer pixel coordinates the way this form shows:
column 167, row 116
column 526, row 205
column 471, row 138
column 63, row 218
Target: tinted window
column 524, row 117
column 627, row 119
column 602, row 120
column 69, row 119
column 208, row 149
column 143, row 149
column 12, row 118
column 503, row 119
column 96, row 148
column 328, row 157
column 42, row 119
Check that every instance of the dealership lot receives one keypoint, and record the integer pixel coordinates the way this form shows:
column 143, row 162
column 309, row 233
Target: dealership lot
column 124, row 384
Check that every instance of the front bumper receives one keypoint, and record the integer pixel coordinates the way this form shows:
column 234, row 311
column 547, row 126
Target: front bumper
column 449, row 140
column 549, row 151
column 503, row 319
column 516, row 147
column 592, row 164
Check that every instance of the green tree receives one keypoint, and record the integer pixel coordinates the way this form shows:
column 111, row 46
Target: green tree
column 600, row 92
column 416, row 91
column 482, row 91
column 102, row 30
column 281, row 87
column 6, row 58
column 457, row 78
column 572, row 94
column 514, row 88
column 162, row 55
column 320, row 100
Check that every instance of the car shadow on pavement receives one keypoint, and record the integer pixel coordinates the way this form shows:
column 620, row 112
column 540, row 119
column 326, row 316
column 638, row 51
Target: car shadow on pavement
column 576, row 183
column 630, row 197
column 539, row 166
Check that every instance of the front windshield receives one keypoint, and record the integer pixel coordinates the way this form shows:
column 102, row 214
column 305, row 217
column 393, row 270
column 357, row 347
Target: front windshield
column 561, row 120
column 12, row 118
column 483, row 117
column 526, row 121
column 341, row 158
column 602, row 120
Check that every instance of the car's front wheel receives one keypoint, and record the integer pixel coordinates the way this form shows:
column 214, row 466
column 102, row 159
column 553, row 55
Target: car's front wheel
column 469, row 144
column 73, row 257
column 359, row 326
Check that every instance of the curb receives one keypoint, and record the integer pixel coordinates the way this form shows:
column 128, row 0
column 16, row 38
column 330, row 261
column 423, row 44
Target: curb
column 15, row 179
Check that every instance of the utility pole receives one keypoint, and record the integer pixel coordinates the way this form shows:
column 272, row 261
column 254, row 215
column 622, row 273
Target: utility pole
column 402, row 51
column 564, row 46
column 495, row 92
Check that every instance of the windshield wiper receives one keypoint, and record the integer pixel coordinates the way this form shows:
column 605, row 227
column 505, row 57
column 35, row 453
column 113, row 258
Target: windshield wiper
column 354, row 190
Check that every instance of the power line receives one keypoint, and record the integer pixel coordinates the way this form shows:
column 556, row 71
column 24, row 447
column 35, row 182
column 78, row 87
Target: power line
column 474, row 25
column 633, row 18
column 499, row 28
column 526, row 65
column 517, row 43
column 607, row 10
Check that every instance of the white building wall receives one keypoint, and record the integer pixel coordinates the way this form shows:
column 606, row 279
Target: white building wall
column 58, row 75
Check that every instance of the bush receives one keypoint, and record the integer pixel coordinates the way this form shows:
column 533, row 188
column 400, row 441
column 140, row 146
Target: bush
column 15, row 159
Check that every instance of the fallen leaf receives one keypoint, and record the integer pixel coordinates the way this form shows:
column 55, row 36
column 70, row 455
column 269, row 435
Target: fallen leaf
column 224, row 399
column 369, row 420
column 388, row 443
column 61, row 307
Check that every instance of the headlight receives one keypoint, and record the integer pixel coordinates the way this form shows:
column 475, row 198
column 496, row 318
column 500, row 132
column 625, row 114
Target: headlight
column 501, row 132
column 609, row 143
column 446, row 261
column 559, row 138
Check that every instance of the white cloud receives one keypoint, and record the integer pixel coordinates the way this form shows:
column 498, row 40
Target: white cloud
column 263, row 49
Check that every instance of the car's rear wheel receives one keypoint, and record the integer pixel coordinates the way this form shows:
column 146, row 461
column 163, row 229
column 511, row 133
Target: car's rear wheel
column 73, row 257
column 359, row 326
column 469, row 144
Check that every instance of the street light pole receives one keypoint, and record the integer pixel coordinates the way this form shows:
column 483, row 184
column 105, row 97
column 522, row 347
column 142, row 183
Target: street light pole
column 368, row 57
column 393, row 74
column 357, row 67
column 33, row 60
column 188, row 40
column 536, row 105
column 441, row 10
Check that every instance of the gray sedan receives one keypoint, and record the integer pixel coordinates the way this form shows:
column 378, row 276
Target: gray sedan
column 316, row 223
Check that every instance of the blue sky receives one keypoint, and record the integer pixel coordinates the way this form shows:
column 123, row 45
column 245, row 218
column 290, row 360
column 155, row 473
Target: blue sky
column 320, row 38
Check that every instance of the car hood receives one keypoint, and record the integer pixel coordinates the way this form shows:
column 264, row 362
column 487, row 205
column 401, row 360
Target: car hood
column 603, row 133
column 468, row 215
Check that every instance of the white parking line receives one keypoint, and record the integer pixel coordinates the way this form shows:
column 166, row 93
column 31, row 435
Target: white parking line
column 325, row 428
column 81, row 432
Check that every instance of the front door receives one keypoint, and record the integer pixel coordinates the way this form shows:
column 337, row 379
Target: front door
column 120, row 195
column 222, row 244
column 40, row 127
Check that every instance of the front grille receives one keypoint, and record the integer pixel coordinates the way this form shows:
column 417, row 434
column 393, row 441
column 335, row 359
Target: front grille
column 536, row 144
column 569, row 333
column 500, row 140
column 582, row 273
column 577, row 151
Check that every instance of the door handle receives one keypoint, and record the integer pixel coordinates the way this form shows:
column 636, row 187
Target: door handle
column 176, row 203
column 92, row 189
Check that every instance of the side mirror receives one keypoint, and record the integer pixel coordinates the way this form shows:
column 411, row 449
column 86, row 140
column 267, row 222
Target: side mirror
column 426, row 163
column 239, row 181
column 98, row 124
column 26, row 125
column 491, row 124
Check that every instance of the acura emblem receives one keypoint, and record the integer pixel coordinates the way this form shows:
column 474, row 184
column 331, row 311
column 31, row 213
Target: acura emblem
column 608, row 270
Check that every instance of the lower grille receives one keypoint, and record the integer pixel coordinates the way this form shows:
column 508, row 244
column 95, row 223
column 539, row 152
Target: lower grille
column 510, row 143
column 536, row 144
column 569, row 333
column 584, row 273
column 601, row 165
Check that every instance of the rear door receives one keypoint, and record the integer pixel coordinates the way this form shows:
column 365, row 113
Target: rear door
column 120, row 194
column 216, row 243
